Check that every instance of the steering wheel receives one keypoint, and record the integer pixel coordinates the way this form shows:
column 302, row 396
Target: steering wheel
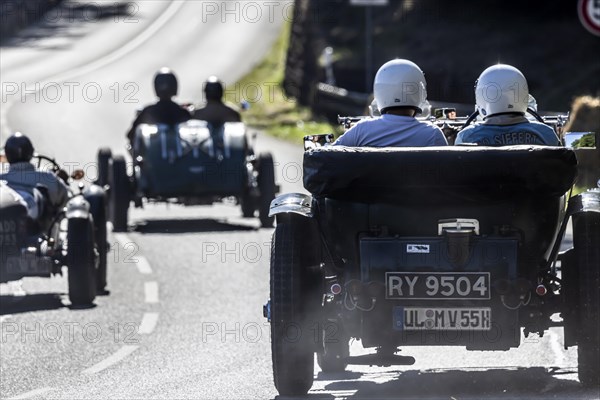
column 476, row 114
column 41, row 158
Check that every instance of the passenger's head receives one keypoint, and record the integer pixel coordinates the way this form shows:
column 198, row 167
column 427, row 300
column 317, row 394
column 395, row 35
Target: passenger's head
column 501, row 89
column 165, row 84
column 18, row 148
column 400, row 86
column 213, row 89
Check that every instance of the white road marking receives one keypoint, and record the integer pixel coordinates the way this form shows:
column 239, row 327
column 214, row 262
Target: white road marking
column 143, row 266
column 148, row 324
column 122, row 238
column 111, row 360
column 33, row 393
column 5, row 317
column 151, row 292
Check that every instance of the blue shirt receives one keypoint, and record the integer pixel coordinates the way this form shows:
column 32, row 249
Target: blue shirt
column 521, row 132
column 392, row 131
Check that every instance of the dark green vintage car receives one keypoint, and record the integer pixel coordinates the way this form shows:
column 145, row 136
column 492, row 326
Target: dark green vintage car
column 193, row 163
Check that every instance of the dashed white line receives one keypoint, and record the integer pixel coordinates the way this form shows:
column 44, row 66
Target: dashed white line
column 122, row 238
column 559, row 355
column 110, row 361
column 143, row 265
column 4, row 317
column 33, row 393
column 151, row 292
column 148, row 324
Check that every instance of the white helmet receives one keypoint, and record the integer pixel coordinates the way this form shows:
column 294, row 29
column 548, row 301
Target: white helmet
column 501, row 89
column 400, row 83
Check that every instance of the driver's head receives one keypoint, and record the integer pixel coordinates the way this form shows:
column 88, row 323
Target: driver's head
column 213, row 89
column 165, row 84
column 18, row 148
column 400, row 84
column 501, row 89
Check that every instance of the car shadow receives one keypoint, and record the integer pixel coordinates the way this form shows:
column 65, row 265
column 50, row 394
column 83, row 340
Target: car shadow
column 10, row 305
column 508, row 383
column 160, row 226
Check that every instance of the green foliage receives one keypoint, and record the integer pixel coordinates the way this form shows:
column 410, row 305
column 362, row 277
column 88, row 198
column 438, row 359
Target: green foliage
column 271, row 109
column 587, row 140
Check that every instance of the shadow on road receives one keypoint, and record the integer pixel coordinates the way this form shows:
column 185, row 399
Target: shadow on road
column 32, row 302
column 63, row 21
column 156, row 226
column 535, row 382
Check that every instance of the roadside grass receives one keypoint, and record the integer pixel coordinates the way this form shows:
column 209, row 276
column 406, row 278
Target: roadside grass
column 270, row 109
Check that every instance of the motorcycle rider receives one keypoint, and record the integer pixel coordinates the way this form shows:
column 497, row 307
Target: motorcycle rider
column 400, row 93
column 165, row 111
column 215, row 111
column 23, row 177
column 502, row 96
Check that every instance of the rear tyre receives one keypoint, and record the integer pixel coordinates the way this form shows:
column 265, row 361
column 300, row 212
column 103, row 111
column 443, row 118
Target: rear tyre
column 295, row 306
column 101, row 238
column 248, row 204
column 81, row 259
column 104, row 156
column 586, row 240
column 119, row 194
column 336, row 349
column 266, row 187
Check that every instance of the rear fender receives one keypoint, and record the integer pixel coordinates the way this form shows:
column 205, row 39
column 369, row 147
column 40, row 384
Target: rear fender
column 295, row 203
column 78, row 208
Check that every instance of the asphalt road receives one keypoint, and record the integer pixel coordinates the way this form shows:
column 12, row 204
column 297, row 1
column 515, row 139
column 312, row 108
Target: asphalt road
column 187, row 285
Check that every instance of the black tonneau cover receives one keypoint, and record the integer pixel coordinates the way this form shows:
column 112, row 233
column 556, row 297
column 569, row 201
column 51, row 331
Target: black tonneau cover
column 434, row 173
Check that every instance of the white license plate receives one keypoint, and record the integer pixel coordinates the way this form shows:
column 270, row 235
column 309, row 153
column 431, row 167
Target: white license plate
column 454, row 319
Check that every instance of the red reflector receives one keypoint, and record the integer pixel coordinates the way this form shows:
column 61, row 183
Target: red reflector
column 541, row 290
column 336, row 289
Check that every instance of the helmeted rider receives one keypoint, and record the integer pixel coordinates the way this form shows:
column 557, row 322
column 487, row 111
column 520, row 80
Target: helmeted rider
column 400, row 92
column 215, row 111
column 165, row 111
column 501, row 97
column 23, row 177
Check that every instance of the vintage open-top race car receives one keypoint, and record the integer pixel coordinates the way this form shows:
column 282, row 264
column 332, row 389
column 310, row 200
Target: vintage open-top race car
column 73, row 237
column 194, row 163
column 432, row 246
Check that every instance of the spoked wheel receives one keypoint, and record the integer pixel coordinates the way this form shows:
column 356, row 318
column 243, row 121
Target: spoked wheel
column 294, row 306
column 586, row 240
column 104, row 156
column 119, row 194
column 336, row 348
column 81, row 259
column 266, row 187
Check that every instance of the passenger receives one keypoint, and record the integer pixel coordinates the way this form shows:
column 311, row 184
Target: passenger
column 165, row 111
column 400, row 92
column 215, row 111
column 23, row 177
column 502, row 96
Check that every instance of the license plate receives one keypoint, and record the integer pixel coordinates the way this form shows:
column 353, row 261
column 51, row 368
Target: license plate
column 437, row 285
column 28, row 264
column 453, row 319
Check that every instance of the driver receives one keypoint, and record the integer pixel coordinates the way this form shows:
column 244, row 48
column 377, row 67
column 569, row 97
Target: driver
column 502, row 96
column 215, row 111
column 23, row 178
column 165, row 111
column 400, row 94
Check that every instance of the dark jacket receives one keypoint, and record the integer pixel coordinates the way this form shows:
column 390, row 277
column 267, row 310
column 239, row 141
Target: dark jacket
column 217, row 113
column 164, row 112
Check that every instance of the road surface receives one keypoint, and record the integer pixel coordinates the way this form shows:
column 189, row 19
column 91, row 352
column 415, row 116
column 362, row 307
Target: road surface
column 187, row 285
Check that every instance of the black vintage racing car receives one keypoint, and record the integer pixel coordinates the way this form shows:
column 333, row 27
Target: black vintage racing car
column 431, row 247
column 193, row 163
column 73, row 237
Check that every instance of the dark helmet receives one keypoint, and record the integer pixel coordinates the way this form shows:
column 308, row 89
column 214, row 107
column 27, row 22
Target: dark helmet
column 18, row 148
column 213, row 88
column 165, row 84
